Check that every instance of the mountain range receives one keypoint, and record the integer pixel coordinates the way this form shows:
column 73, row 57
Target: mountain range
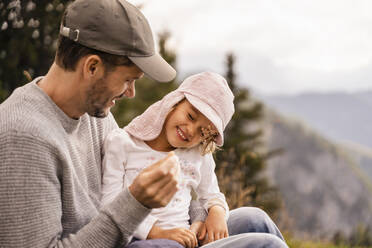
column 343, row 117
column 324, row 173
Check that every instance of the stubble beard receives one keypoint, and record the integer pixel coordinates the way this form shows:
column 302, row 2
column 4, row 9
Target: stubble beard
column 95, row 106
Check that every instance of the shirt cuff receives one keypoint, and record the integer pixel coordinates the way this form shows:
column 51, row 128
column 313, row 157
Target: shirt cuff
column 145, row 227
column 222, row 204
column 197, row 212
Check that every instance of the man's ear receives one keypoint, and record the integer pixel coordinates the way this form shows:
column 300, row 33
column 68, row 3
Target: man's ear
column 93, row 67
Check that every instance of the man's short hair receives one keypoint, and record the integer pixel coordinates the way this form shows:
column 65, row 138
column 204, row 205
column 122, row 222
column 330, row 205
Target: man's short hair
column 69, row 53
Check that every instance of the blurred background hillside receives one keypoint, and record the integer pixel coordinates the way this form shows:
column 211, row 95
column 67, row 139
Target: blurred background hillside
column 300, row 142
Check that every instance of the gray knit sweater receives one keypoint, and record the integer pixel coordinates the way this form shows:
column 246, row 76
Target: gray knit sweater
column 50, row 178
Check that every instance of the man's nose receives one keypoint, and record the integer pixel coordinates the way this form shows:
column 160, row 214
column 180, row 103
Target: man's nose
column 130, row 92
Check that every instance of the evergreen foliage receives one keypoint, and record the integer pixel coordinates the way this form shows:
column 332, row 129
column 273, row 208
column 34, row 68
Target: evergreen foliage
column 28, row 34
column 239, row 164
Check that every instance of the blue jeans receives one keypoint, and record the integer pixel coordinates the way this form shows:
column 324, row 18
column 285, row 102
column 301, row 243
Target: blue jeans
column 248, row 228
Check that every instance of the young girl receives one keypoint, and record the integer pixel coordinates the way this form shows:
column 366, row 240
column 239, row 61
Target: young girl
column 189, row 121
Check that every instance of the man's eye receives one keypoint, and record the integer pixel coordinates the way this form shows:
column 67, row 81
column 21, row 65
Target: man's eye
column 191, row 117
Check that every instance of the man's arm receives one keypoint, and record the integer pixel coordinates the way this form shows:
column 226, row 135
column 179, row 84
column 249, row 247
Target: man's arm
column 31, row 206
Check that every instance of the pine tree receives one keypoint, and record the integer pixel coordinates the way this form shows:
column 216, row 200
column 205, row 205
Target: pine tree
column 239, row 164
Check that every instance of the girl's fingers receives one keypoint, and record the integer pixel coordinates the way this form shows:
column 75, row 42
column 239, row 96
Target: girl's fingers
column 210, row 237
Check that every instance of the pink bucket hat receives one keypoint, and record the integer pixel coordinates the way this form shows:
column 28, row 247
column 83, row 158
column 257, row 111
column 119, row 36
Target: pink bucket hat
column 207, row 91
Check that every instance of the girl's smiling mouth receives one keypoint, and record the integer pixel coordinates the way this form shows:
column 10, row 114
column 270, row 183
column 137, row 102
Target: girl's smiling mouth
column 181, row 134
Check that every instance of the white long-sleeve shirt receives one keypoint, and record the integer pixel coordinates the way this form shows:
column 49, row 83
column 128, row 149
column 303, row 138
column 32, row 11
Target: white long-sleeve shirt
column 125, row 156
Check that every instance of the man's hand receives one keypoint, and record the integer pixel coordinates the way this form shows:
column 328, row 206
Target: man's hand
column 215, row 227
column 155, row 186
column 198, row 227
column 183, row 236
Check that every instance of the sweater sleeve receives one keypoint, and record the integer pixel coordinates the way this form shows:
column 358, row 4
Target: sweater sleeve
column 208, row 191
column 31, row 206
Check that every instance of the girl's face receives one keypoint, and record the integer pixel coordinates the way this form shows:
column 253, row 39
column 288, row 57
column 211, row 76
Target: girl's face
column 184, row 127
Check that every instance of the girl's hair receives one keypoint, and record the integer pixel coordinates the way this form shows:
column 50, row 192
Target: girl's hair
column 208, row 145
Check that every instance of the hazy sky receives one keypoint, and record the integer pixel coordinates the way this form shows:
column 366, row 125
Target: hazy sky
column 282, row 46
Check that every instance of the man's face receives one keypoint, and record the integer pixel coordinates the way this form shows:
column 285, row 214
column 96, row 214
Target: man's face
column 112, row 86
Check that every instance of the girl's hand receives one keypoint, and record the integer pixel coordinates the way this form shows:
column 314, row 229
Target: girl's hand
column 215, row 226
column 183, row 236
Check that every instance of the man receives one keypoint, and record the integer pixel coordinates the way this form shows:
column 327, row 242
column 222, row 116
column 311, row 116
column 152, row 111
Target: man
column 52, row 132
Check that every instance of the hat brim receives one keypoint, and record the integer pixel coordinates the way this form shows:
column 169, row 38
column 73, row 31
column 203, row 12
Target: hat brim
column 155, row 67
column 208, row 112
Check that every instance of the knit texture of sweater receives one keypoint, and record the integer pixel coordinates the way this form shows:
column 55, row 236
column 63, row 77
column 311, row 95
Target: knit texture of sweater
column 50, row 178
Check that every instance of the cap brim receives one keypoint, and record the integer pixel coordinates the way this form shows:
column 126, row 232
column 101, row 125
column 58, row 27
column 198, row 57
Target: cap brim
column 155, row 67
column 208, row 112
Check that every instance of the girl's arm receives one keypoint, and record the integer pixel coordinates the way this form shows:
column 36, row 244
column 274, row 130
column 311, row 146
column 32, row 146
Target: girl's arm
column 208, row 191
column 209, row 195
column 114, row 162
column 113, row 165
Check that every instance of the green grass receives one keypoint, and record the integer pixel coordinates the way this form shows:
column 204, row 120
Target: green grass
column 310, row 244
column 295, row 243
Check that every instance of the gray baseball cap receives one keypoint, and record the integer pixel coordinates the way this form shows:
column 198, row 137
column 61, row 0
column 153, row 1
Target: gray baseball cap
column 119, row 28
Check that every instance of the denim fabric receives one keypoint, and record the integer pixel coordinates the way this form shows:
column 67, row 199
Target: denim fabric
column 248, row 240
column 248, row 228
column 250, row 219
column 154, row 243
